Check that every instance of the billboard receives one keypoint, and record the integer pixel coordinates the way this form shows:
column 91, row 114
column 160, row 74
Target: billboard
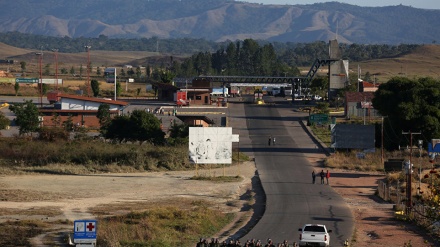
column 353, row 136
column 211, row 145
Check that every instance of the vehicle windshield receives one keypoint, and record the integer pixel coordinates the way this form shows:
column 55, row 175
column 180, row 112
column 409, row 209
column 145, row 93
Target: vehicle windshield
column 314, row 229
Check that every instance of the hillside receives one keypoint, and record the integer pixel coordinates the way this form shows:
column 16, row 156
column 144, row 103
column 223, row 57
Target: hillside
column 424, row 61
column 221, row 20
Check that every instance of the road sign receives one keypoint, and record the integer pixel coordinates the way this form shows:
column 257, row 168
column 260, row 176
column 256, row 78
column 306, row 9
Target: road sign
column 27, row 80
column 319, row 119
column 84, row 231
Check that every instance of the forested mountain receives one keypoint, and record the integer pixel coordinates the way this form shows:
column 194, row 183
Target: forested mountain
column 221, row 20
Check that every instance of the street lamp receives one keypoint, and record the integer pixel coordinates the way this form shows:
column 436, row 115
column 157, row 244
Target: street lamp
column 115, row 83
column 40, row 82
column 88, row 69
column 56, row 67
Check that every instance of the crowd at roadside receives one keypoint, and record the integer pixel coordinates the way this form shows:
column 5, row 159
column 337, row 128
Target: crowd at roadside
column 249, row 243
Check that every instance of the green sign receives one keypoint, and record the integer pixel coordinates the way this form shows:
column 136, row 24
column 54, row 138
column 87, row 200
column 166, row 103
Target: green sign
column 319, row 118
column 27, row 80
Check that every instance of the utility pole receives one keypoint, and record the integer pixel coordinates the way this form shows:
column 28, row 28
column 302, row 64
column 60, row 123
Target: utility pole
column 409, row 173
column 40, row 60
column 88, row 69
column 56, row 68
column 381, row 144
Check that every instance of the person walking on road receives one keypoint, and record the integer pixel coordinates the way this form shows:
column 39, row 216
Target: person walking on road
column 313, row 176
column 327, row 175
column 273, row 140
column 270, row 140
column 322, row 176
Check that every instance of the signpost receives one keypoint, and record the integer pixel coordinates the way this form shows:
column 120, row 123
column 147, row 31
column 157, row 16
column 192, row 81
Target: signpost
column 84, row 232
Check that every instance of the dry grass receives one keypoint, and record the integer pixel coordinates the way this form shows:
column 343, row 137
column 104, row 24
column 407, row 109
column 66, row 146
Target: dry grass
column 18, row 233
column 29, row 196
column 372, row 161
column 180, row 223
column 43, row 211
column 423, row 62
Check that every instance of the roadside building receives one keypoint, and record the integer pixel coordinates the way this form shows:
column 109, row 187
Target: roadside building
column 81, row 109
column 365, row 86
column 164, row 91
column 358, row 104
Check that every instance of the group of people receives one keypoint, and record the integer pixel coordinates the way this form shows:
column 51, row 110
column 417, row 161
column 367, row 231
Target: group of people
column 236, row 243
column 271, row 140
column 322, row 174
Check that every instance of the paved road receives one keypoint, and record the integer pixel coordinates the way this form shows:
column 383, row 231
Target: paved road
column 285, row 173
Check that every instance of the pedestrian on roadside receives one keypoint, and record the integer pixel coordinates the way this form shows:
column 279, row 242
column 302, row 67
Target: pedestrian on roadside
column 270, row 140
column 273, row 140
column 313, row 176
column 327, row 175
column 322, row 176
column 269, row 243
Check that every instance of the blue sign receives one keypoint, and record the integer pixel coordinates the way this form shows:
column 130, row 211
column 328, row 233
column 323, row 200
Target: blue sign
column 84, row 230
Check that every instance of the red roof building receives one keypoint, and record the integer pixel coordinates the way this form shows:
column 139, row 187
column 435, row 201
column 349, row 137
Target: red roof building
column 81, row 109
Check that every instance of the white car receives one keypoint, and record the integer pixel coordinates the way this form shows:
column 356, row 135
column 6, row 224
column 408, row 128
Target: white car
column 314, row 235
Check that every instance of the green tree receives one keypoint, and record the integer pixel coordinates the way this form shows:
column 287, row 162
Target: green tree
column 72, row 70
column 122, row 73
column 130, row 72
column 27, row 116
column 95, row 87
column 104, row 117
column 4, row 121
column 68, row 125
column 410, row 105
column 23, row 66
column 63, row 71
column 322, row 107
column 98, row 71
column 167, row 76
column 319, row 86
column 367, row 77
column 45, row 88
column 179, row 134
column 56, row 120
column 139, row 126
column 138, row 72
column 16, row 88
column 118, row 89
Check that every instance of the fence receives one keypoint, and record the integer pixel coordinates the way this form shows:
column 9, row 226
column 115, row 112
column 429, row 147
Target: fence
column 419, row 212
column 391, row 193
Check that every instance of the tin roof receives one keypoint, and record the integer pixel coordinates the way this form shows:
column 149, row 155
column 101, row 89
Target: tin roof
column 92, row 99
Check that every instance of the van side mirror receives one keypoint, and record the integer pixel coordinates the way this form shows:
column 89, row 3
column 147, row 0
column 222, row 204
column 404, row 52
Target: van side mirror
column 329, row 231
column 300, row 229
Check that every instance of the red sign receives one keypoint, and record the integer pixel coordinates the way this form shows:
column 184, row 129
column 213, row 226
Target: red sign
column 181, row 98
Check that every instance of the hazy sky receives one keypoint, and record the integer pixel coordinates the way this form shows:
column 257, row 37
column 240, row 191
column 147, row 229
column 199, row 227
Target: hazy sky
column 422, row 4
